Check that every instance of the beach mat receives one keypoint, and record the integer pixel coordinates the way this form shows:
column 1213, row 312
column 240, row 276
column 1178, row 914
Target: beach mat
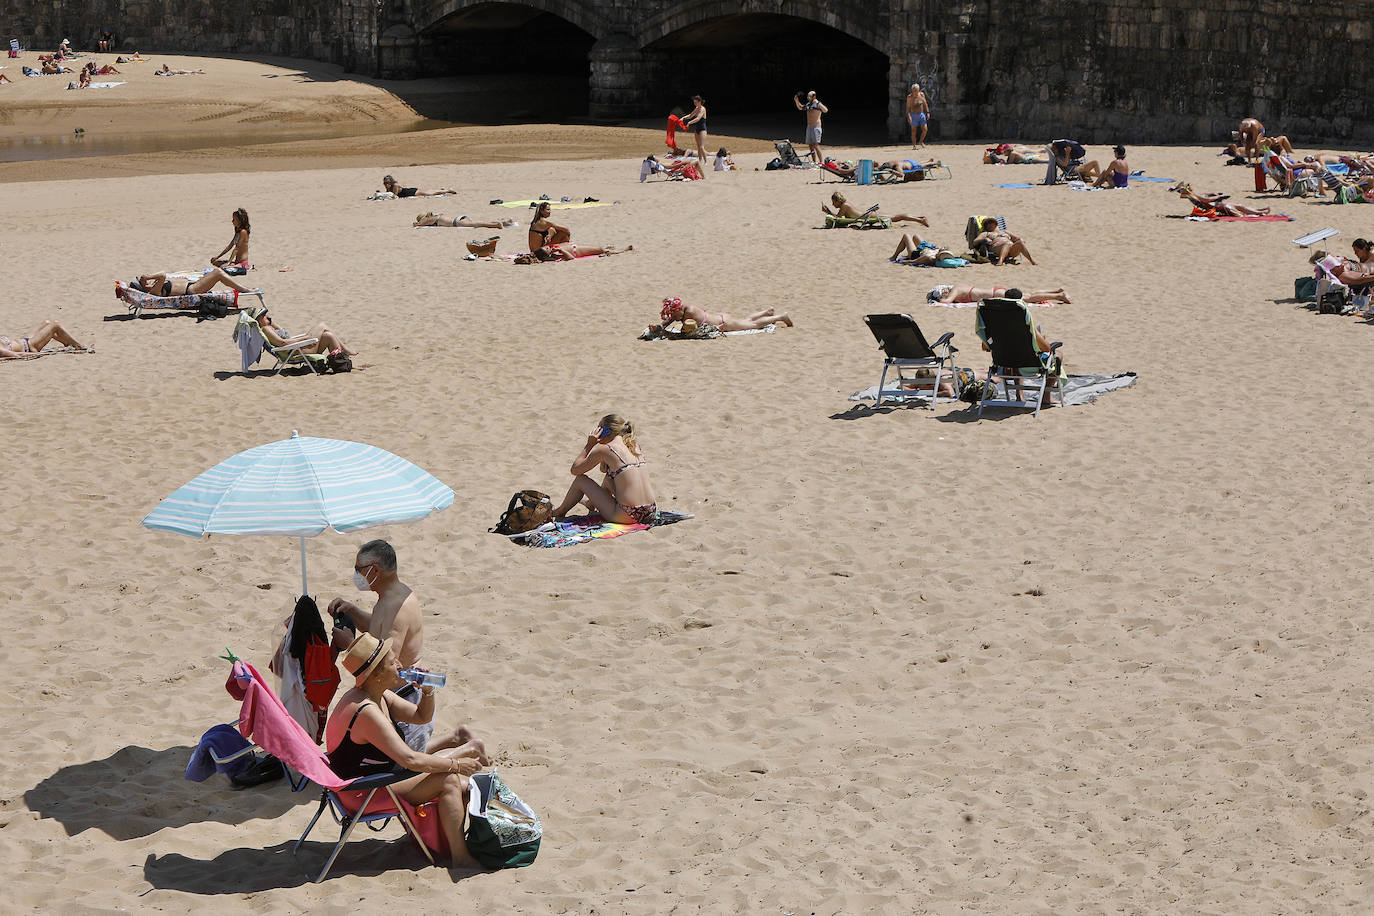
column 710, row 333
column 1015, row 184
column 556, row 204
column 1076, row 391
column 1271, row 218
column 589, row 528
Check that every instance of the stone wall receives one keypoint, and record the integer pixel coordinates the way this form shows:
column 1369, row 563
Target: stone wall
column 339, row 31
column 1129, row 70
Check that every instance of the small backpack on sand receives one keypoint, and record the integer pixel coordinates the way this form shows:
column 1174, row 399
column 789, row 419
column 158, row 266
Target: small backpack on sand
column 527, row 510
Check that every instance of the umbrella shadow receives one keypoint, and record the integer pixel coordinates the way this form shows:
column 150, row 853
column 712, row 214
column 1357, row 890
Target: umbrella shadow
column 136, row 792
column 224, row 375
column 249, row 870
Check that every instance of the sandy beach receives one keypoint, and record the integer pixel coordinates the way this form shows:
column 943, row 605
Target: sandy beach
column 1106, row 660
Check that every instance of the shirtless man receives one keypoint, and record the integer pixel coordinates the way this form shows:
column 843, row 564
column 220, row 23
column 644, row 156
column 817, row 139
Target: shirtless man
column 674, row 310
column 813, row 108
column 960, row 295
column 917, row 113
column 396, row 615
column 1250, row 131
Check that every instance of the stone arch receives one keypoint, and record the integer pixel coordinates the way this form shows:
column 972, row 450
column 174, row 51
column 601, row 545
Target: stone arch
column 582, row 15
column 855, row 18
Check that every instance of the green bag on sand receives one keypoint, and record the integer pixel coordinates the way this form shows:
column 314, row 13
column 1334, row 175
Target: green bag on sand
column 503, row 831
column 1305, row 289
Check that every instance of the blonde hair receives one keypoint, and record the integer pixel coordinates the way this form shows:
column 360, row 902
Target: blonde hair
column 617, row 425
column 837, row 198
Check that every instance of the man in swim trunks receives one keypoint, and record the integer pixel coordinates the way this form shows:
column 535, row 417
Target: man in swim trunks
column 813, row 108
column 917, row 113
column 1250, row 131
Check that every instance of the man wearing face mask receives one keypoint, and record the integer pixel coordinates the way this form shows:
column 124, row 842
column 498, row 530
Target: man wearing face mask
column 396, row 615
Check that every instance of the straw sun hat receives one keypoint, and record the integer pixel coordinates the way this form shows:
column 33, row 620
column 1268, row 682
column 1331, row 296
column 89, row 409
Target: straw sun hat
column 364, row 656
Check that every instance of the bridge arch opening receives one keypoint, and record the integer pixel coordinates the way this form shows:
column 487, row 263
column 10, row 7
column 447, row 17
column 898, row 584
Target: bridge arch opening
column 532, row 63
column 754, row 63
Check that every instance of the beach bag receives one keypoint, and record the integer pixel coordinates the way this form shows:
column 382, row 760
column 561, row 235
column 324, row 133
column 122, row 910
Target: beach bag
column 503, row 831
column 775, row 165
column 320, row 674
column 1334, row 300
column 526, row 511
column 1305, row 289
column 338, row 361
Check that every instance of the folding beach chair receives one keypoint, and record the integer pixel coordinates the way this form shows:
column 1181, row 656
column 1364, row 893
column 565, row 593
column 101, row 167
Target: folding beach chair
column 904, row 348
column 290, row 355
column 14, row 47
column 264, row 719
column 831, row 167
column 1026, row 373
column 789, row 156
column 1057, row 172
column 974, row 227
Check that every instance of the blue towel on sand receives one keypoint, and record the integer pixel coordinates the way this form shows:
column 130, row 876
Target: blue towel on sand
column 1015, row 184
column 1149, row 178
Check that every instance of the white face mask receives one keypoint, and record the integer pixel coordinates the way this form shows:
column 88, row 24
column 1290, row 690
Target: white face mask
column 361, row 582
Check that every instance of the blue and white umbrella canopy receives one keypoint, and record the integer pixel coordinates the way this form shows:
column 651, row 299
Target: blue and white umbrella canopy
column 301, row 487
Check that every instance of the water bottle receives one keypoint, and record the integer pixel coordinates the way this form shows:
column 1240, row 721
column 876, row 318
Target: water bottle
column 424, row 678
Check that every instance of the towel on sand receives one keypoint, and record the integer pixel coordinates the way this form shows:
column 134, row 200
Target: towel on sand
column 589, row 528
column 704, row 332
column 1077, row 389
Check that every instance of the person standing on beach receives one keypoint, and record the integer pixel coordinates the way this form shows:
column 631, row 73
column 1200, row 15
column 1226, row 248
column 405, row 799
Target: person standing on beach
column 696, row 123
column 395, row 616
column 814, row 108
column 917, row 113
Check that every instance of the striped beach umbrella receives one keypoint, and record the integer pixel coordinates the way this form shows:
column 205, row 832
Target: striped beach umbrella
column 301, row 487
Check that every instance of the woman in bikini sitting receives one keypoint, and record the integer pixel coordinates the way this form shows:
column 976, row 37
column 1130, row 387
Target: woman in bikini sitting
column 674, row 310
column 32, row 344
column 952, row 295
column 362, row 739
column 1000, row 243
column 845, row 210
column 389, row 184
column 624, row 495
column 326, row 341
column 461, row 222
column 543, row 231
column 239, row 243
column 161, row 285
column 1207, row 204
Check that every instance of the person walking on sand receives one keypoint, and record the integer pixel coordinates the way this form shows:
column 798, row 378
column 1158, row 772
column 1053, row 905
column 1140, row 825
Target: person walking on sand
column 917, row 113
column 813, row 109
column 696, row 123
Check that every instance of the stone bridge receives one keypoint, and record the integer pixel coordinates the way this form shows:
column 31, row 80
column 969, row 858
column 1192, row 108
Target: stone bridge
column 1127, row 71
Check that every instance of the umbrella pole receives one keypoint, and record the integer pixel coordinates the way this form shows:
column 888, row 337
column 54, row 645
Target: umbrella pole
column 305, row 590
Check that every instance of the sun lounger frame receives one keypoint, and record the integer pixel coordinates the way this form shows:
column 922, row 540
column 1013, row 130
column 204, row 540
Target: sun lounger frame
column 375, row 821
column 905, row 347
column 1013, row 352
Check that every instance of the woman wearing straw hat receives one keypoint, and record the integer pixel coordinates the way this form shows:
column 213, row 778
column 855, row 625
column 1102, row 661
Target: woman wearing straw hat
column 362, row 739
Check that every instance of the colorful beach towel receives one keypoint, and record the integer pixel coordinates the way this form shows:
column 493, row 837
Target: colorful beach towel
column 1270, row 218
column 589, row 528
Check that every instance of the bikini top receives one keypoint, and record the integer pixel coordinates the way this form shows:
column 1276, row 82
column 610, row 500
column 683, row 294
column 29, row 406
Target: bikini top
column 612, row 475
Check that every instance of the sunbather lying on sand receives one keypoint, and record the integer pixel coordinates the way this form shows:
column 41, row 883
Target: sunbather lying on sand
column 1215, row 203
column 912, row 249
column 845, row 210
column 160, row 284
column 674, row 310
column 30, row 345
column 389, row 184
column 1000, row 243
column 438, row 219
column 165, row 70
column 326, row 341
column 951, row 295
column 1015, row 153
column 568, row 252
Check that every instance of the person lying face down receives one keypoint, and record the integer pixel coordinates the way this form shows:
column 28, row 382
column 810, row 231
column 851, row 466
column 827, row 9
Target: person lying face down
column 959, row 295
column 674, row 310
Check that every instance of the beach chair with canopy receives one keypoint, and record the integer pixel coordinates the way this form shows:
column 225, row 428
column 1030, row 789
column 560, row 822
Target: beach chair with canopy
column 789, row 156
column 904, row 348
column 1026, row 373
column 367, row 800
column 1057, row 172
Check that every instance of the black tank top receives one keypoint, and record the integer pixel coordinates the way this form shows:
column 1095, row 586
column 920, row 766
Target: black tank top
column 351, row 759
